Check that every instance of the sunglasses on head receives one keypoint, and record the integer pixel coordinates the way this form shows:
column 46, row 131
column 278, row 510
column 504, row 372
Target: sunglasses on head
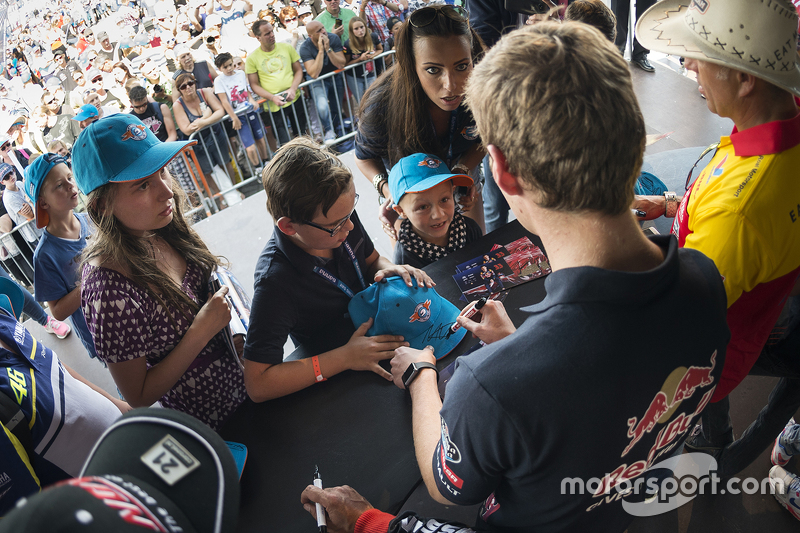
column 187, row 84
column 426, row 15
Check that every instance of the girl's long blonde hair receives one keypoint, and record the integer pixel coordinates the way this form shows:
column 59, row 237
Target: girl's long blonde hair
column 364, row 44
column 113, row 244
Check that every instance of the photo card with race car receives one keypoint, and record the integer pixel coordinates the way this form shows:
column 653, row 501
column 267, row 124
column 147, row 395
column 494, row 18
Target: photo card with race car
column 501, row 268
column 497, row 253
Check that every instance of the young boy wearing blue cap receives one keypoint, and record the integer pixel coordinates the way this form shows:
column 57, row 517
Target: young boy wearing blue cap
column 51, row 187
column 422, row 188
column 317, row 259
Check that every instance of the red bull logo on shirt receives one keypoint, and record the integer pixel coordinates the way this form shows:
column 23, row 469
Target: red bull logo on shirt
column 681, row 385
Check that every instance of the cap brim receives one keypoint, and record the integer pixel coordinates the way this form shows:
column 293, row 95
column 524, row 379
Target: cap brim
column 83, row 116
column 42, row 217
column 663, row 28
column 151, row 161
column 433, row 181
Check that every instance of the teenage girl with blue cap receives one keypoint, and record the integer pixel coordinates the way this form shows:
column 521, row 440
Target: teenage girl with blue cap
column 145, row 277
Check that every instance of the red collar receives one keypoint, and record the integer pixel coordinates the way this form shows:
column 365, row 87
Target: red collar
column 765, row 139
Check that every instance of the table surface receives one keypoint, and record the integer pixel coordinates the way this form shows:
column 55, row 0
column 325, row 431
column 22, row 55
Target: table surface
column 355, row 426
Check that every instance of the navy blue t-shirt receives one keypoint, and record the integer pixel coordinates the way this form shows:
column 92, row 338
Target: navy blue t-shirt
column 605, row 378
column 289, row 298
column 55, row 273
column 308, row 52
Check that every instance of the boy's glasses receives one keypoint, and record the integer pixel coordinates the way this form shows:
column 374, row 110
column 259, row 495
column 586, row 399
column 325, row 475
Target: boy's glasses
column 339, row 225
column 425, row 16
column 186, row 85
column 6, row 178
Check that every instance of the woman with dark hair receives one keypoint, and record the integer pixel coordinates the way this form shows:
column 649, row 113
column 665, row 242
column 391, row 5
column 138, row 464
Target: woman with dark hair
column 122, row 73
column 417, row 106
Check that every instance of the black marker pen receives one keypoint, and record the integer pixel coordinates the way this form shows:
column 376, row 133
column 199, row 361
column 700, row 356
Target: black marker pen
column 472, row 309
column 321, row 524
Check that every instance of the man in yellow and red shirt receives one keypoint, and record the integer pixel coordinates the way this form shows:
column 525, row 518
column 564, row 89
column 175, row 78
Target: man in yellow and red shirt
column 743, row 211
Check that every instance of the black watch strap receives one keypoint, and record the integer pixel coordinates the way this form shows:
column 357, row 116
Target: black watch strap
column 414, row 369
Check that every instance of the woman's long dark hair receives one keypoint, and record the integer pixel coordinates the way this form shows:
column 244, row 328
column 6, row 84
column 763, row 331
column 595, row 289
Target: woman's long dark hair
column 407, row 118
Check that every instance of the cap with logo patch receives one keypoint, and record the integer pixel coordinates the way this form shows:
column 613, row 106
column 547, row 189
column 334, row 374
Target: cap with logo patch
column 420, row 172
column 153, row 469
column 417, row 313
column 119, row 148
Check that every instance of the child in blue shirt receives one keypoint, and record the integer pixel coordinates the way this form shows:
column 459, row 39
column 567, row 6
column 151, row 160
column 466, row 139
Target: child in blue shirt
column 318, row 257
column 50, row 185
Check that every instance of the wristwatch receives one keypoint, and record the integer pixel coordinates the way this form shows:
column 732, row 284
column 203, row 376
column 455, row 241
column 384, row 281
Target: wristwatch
column 670, row 204
column 414, row 369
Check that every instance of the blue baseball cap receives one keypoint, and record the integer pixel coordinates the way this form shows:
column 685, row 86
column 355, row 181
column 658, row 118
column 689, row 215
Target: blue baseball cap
column 87, row 111
column 420, row 172
column 35, row 174
column 417, row 313
column 5, row 169
column 11, row 298
column 119, row 148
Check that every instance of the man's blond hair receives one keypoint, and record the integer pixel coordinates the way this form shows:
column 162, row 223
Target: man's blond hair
column 557, row 100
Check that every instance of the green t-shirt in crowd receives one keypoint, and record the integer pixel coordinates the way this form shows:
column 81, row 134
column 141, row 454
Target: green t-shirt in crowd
column 274, row 70
column 329, row 20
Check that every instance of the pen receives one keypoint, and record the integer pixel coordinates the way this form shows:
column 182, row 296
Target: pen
column 321, row 524
column 639, row 213
column 472, row 309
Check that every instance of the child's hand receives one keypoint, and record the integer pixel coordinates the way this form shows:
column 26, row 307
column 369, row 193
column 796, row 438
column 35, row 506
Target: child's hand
column 364, row 352
column 406, row 272
column 388, row 217
column 215, row 314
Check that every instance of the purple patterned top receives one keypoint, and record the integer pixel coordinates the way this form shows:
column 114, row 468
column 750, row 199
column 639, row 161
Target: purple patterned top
column 126, row 323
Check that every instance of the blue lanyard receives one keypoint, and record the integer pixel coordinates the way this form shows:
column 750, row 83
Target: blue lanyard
column 452, row 132
column 336, row 281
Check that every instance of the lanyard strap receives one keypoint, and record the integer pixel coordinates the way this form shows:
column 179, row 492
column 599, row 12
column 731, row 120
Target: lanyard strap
column 452, row 133
column 336, row 281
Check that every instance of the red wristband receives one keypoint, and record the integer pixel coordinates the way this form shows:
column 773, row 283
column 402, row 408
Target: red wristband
column 317, row 371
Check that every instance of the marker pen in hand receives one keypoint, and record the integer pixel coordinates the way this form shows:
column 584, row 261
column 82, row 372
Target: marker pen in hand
column 321, row 524
column 470, row 311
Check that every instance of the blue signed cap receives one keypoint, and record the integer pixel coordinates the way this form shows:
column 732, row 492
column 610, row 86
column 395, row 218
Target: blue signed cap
column 419, row 314
column 119, row 148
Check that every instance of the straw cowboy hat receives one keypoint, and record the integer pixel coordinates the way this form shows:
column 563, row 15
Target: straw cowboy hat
column 754, row 36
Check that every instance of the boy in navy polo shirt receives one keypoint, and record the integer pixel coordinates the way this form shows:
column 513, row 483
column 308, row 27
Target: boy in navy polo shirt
column 308, row 272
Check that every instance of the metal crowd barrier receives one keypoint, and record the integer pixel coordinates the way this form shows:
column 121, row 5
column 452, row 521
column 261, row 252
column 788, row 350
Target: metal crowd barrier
column 209, row 202
column 16, row 253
